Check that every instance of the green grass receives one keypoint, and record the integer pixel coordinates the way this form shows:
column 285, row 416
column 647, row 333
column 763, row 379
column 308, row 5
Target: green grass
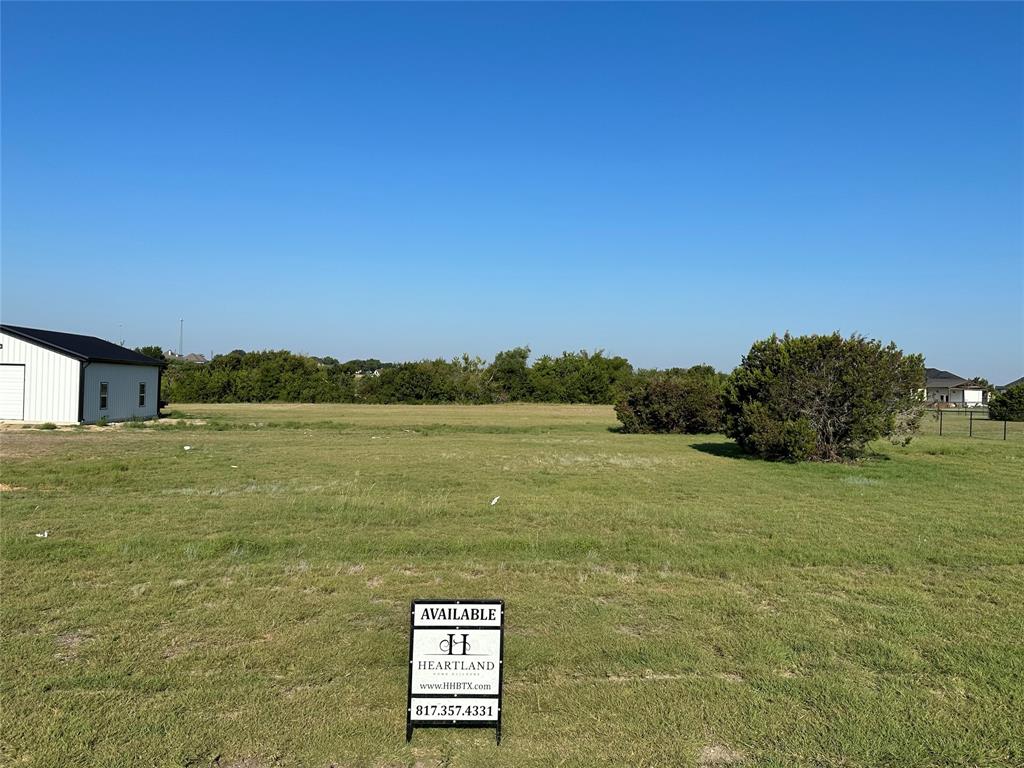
column 670, row 602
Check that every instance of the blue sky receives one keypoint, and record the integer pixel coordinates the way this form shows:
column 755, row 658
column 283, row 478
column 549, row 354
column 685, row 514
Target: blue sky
column 666, row 182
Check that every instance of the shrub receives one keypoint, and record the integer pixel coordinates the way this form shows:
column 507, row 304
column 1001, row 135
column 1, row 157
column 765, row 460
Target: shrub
column 578, row 377
column 687, row 401
column 102, row 421
column 1007, row 405
column 47, row 425
column 822, row 397
column 776, row 439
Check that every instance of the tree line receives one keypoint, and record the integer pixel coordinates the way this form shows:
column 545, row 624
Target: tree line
column 816, row 397
column 252, row 377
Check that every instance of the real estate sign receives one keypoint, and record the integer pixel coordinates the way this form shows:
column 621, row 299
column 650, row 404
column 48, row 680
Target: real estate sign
column 455, row 664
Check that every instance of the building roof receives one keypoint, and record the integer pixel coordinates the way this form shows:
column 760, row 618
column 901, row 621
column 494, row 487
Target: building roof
column 1015, row 383
column 86, row 348
column 936, row 377
column 938, row 373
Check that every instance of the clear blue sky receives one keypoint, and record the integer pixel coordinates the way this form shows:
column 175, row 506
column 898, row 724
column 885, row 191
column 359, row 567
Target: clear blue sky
column 666, row 182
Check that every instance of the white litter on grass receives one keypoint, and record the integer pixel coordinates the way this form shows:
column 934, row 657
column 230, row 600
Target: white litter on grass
column 188, row 447
column 495, row 500
column 234, row 466
column 44, row 535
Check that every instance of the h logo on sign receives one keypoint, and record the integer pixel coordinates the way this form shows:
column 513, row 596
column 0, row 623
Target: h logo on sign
column 448, row 646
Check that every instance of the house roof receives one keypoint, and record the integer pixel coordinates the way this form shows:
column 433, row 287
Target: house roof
column 86, row 348
column 1012, row 384
column 938, row 373
column 936, row 377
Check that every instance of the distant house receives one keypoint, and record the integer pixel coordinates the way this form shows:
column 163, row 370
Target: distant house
column 1016, row 383
column 67, row 378
column 191, row 357
column 943, row 388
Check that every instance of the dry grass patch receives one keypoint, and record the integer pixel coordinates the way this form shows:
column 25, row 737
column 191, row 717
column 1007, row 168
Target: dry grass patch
column 718, row 755
column 69, row 645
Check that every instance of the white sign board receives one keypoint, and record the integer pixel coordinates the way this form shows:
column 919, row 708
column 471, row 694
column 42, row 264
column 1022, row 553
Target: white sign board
column 455, row 664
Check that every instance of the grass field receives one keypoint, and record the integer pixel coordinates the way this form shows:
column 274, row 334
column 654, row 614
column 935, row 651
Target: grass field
column 670, row 603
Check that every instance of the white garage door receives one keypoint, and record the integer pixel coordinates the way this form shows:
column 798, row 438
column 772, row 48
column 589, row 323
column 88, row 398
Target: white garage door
column 12, row 392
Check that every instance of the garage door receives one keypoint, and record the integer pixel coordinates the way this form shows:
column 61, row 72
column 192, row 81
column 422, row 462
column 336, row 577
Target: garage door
column 12, row 392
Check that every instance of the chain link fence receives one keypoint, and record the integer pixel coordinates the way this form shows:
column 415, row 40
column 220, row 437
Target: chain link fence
column 970, row 422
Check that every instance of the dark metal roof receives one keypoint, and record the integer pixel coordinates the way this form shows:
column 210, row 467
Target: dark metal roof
column 1011, row 384
column 87, row 348
column 938, row 373
column 936, row 377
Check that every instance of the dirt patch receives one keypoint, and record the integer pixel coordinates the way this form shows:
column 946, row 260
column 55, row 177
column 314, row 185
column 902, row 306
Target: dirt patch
column 716, row 755
column 69, row 644
column 10, row 426
column 5, row 488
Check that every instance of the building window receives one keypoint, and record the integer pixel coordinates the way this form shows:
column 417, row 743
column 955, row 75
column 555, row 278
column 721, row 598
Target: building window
column 142, row 394
column 103, row 395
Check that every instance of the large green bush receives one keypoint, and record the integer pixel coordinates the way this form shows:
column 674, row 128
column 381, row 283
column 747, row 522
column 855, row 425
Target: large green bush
column 681, row 401
column 822, row 397
column 1007, row 405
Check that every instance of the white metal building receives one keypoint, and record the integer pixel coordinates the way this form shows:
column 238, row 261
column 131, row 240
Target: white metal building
column 71, row 379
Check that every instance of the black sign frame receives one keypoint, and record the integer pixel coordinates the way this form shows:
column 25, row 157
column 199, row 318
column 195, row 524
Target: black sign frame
column 410, row 724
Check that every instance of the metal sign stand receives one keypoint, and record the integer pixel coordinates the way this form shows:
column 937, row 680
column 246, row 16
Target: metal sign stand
column 455, row 721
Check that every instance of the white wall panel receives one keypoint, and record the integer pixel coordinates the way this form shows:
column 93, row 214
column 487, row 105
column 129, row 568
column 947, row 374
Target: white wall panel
column 12, row 391
column 51, row 380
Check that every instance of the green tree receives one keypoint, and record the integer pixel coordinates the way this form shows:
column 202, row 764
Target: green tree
column 579, row 377
column 152, row 351
column 822, row 397
column 508, row 377
column 1007, row 405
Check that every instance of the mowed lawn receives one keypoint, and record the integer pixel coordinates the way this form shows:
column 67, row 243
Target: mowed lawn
column 669, row 602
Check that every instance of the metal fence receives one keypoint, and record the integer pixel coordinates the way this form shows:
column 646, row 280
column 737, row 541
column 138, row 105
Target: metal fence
column 970, row 422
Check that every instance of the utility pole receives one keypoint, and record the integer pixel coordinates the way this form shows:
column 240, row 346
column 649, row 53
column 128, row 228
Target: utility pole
column 181, row 335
